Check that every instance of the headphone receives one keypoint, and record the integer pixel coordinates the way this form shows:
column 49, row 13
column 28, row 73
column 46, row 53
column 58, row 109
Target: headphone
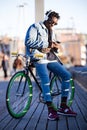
column 47, row 15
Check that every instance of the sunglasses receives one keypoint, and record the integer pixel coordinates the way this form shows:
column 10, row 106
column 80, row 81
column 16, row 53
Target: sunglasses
column 52, row 22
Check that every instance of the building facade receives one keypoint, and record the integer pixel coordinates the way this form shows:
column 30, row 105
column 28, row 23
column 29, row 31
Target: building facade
column 74, row 44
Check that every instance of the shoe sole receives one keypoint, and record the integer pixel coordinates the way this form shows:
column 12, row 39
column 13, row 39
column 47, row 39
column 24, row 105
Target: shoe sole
column 53, row 119
column 66, row 114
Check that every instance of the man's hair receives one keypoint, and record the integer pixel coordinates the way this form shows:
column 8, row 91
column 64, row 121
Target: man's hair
column 51, row 14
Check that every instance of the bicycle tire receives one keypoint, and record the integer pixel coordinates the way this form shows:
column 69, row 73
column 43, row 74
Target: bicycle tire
column 71, row 89
column 18, row 99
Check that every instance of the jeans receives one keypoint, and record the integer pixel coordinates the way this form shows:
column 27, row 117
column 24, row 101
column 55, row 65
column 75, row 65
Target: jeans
column 57, row 69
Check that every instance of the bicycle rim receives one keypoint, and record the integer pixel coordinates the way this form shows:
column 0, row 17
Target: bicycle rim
column 19, row 94
column 71, row 93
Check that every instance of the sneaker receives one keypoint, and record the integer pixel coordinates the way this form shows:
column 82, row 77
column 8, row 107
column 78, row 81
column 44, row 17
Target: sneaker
column 66, row 111
column 52, row 111
column 53, row 116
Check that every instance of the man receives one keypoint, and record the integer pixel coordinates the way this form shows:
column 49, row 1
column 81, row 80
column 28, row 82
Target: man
column 40, row 40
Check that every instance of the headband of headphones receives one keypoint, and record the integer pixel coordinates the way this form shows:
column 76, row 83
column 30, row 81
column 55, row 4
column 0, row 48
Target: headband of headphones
column 47, row 15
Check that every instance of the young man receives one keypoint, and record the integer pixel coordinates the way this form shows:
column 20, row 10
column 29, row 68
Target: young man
column 40, row 40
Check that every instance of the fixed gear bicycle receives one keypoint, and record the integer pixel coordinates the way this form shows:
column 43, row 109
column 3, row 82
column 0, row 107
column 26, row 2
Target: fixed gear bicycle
column 20, row 89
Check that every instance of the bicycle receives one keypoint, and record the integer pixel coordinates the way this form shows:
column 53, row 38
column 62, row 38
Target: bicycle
column 20, row 90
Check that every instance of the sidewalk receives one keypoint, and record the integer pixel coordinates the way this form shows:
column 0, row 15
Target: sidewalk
column 2, row 75
column 36, row 117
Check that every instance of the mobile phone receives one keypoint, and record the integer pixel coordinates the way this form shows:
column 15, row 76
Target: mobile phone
column 58, row 42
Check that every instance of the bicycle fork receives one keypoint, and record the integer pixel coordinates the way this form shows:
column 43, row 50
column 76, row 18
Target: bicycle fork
column 19, row 87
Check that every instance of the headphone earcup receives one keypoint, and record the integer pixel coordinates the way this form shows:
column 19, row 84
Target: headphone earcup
column 46, row 17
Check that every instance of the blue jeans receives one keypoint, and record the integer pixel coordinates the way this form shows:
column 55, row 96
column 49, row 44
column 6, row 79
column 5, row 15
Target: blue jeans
column 57, row 69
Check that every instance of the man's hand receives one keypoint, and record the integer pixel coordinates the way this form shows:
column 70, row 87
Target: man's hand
column 45, row 50
column 54, row 45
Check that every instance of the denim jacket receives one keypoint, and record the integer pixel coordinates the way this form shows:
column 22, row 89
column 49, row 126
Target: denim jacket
column 36, row 38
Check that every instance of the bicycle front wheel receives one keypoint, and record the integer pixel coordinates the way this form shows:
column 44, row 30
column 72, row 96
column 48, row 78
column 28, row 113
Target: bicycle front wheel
column 56, row 90
column 19, row 94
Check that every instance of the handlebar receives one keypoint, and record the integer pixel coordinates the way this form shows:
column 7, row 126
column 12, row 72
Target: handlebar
column 14, row 54
column 30, row 60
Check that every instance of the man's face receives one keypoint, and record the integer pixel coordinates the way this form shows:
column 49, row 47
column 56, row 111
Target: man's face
column 52, row 22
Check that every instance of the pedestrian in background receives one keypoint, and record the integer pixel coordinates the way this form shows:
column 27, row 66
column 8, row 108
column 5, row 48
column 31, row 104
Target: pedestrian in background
column 4, row 66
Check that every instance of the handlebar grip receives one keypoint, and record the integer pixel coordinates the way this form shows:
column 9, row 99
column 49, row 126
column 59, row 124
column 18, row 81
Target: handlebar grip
column 14, row 53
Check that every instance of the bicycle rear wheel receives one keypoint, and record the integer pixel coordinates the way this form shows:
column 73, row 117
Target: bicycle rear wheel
column 56, row 90
column 19, row 94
